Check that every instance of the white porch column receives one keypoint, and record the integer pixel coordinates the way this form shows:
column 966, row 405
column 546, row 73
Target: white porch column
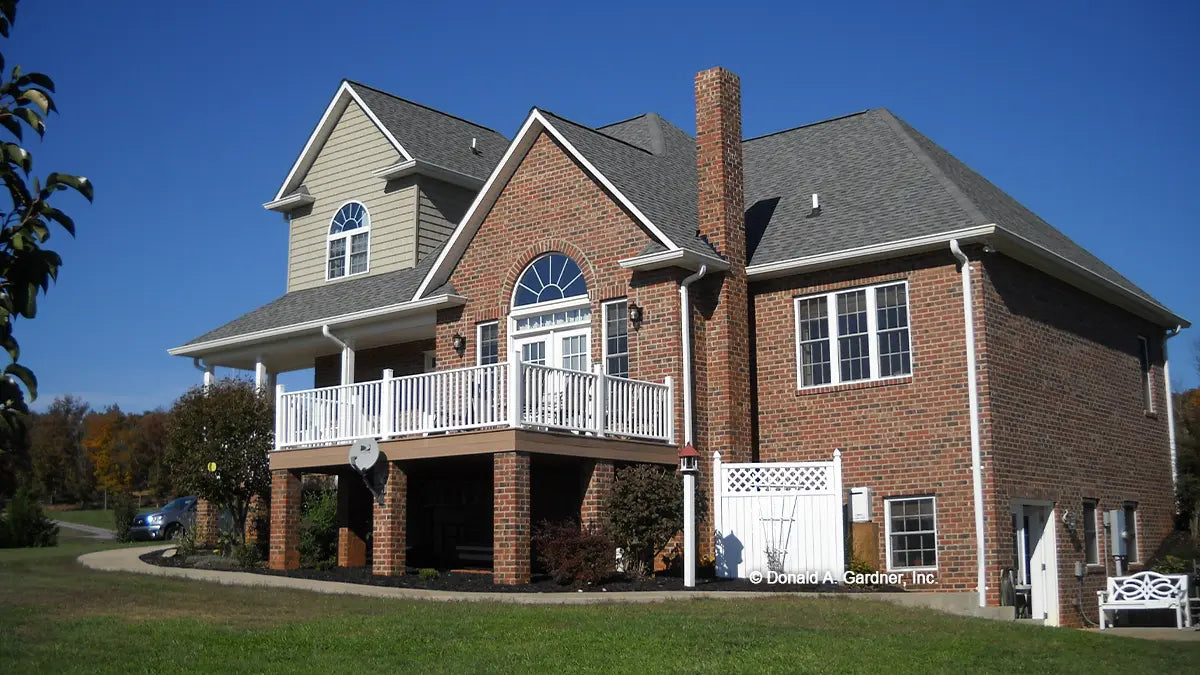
column 347, row 364
column 261, row 378
column 210, row 376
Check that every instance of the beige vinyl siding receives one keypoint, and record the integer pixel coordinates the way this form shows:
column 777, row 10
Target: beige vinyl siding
column 340, row 173
column 442, row 208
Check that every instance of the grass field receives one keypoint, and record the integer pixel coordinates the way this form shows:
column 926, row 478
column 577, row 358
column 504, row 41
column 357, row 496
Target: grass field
column 95, row 517
column 58, row 617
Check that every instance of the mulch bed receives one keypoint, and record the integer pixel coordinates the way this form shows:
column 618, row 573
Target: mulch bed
column 482, row 581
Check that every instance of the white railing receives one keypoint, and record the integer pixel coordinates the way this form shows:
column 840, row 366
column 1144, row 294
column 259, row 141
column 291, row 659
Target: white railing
column 534, row 397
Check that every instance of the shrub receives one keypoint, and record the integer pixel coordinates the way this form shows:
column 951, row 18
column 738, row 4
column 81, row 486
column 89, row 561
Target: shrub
column 247, row 555
column 318, row 529
column 185, row 542
column 574, row 555
column 427, row 574
column 645, row 511
column 1172, row 564
column 26, row 525
column 860, row 565
column 124, row 511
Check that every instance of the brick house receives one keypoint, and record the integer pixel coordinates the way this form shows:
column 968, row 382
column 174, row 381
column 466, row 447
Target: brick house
column 512, row 320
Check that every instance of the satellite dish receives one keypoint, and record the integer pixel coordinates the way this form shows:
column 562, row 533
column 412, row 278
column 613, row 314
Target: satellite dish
column 364, row 454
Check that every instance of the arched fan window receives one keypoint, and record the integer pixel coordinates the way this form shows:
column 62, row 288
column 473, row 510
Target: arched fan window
column 349, row 241
column 553, row 276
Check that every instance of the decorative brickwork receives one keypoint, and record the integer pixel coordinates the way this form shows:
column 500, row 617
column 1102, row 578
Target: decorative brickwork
column 510, row 522
column 285, row 520
column 598, row 486
column 391, row 524
column 353, row 518
column 208, row 522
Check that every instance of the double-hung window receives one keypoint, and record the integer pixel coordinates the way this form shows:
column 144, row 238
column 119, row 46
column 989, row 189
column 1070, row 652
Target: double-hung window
column 349, row 241
column 854, row 335
column 487, row 341
column 1131, row 533
column 911, row 532
column 1147, row 380
column 616, row 338
column 1091, row 534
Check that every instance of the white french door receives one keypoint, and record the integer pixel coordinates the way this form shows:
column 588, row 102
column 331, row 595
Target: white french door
column 567, row 349
column 1037, row 558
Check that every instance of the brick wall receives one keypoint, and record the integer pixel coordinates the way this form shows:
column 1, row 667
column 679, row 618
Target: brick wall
column 550, row 204
column 285, row 520
column 598, row 485
column 208, row 522
column 354, row 515
column 391, row 524
column 904, row 437
column 510, row 519
column 406, row 358
column 1068, row 417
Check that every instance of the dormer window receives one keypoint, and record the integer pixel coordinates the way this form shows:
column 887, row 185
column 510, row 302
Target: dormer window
column 349, row 241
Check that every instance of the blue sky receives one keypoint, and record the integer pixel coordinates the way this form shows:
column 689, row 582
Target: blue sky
column 188, row 115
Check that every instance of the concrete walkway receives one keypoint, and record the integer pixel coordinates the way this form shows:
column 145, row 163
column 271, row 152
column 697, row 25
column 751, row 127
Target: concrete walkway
column 90, row 531
column 127, row 560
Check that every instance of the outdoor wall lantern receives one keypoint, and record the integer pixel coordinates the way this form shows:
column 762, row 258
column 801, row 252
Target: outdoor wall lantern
column 635, row 314
column 459, row 343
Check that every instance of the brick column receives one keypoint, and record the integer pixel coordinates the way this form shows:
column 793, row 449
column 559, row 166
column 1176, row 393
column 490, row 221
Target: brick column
column 258, row 523
column 208, row 523
column 510, row 519
column 598, row 485
column 285, row 520
column 353, row 517
column 391, row 520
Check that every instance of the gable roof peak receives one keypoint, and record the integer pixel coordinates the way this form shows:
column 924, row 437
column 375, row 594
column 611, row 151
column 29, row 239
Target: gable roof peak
column 356, row 83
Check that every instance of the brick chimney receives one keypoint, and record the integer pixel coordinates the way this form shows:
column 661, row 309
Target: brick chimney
column 726, row 328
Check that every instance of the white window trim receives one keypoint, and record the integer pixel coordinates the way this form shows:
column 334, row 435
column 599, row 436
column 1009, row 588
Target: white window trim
column 835, row 365
column 1097, row 530
column 1146, row 373
column 347, row 235
column 604, row 332
column 887, row 533
column 500, row 357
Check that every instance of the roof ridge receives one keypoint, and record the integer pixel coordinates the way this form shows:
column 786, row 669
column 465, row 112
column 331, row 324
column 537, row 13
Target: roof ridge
column 628, row 119
column 956, row 193
column 812, row 124
column 594, row 131
column 422, row 105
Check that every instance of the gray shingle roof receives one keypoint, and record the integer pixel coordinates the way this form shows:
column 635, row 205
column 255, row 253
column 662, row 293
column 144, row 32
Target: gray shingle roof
column 879, row 181
column 653, row 164
column 434, row 136
column 328, row 301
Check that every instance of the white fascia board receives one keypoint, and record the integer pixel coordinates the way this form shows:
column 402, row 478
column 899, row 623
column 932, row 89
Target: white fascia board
column 851, row 256
column 683, row 258
column 462, row 235
column 333, row 113
column 417, row 166
column 1037, row 256
column 432, row 303
column 289, row 203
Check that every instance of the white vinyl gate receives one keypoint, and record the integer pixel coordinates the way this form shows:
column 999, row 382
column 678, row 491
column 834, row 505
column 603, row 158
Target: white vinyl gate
column 785, row 516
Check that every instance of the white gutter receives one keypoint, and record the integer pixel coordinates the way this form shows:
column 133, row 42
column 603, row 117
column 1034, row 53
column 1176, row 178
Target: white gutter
column 680, row 257
column 1170, row 403
column 889, row 249
column 973, row 405
column 432, row 302
column 417, row 166
column 685, row 309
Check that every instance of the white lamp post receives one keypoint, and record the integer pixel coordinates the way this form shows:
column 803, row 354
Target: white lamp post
column 689, row 466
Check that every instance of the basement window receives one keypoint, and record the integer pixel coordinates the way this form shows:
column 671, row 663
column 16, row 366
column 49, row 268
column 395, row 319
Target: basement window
column 911, row 524
column 853, row 335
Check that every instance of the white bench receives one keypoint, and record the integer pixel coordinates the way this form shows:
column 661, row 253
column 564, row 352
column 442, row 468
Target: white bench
column 1146, row 590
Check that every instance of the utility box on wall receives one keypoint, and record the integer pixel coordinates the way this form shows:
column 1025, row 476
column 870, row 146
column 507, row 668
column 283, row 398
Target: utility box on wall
column 860, row 504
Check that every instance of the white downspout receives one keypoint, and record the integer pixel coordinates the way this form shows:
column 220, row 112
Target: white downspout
column 973, row 405
column 1170, row 403
column 347, row 375
column 685, row 312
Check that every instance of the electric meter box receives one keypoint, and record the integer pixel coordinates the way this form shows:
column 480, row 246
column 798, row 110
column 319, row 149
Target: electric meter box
column 860, row 504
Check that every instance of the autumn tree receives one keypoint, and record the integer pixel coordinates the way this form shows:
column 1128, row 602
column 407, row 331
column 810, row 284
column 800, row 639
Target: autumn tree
column 150, row 470
column 61, row 468
column 218, row 440
column 27, row 267
column 1187, row 454
column 108, row 440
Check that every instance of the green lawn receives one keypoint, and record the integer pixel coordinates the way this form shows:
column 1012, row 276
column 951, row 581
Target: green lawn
column 96, row 517
column 56, row 616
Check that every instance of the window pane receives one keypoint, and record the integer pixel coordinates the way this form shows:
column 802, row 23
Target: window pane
column 1131, row 552
column 616, row 339
column 891, row 309
column 337, row 258
column 854, row 351
column 551, row 277
column 913, row 535
column 814, row 341
column 1090, row 542
column 489, row 343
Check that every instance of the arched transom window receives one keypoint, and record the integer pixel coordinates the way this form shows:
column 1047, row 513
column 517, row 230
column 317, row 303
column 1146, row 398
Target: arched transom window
column 553, row 276
column 349, row 241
